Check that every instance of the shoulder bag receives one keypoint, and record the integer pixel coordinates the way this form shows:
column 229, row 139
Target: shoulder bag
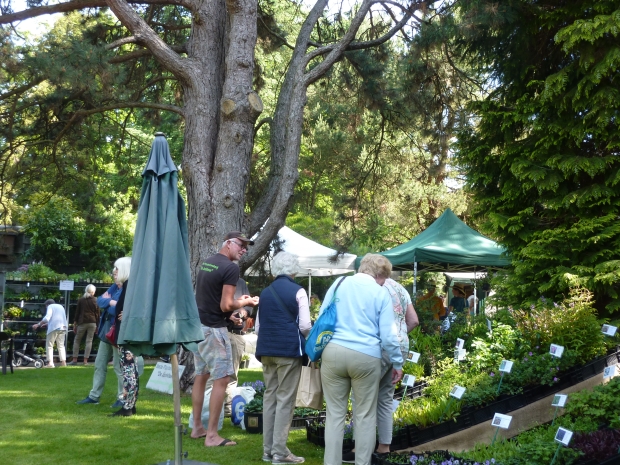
column 323, row 330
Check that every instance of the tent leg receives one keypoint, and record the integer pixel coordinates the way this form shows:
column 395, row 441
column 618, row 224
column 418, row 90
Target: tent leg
column 309, row 286
column 176, row 398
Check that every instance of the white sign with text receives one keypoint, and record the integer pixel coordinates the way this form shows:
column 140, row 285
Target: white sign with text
column 505, row 366
column 556, row 350
column 457, row 392
column 559, row 400
column 563, row 436
column 161, row 379
column 501, row 421
column 413, row 357
column 609, row 330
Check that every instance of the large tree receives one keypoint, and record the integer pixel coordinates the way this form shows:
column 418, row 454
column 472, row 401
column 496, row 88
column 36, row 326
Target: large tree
column 195, row 59
column 543, row 158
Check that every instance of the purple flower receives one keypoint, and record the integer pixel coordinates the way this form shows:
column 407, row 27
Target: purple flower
column 538, row 347
column 532, row 307
column 530, row 354
column 525, row 359
column 556, row 305
column 492, row 374
column 555, row 380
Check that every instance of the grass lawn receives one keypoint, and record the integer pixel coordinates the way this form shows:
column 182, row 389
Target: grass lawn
column 40, row 424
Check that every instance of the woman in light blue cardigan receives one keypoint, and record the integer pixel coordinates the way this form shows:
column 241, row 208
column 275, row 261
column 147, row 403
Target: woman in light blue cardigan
column 352, row 359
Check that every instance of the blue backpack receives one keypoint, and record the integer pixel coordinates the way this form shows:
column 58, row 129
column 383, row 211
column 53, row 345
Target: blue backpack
column 323, row 330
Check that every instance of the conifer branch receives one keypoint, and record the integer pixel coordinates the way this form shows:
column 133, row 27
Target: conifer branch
column 276, row 35
column 366, row 44
column 79, row 115
column 142, row 53
column 21, row 89
column 144, row 34
column 76, row 5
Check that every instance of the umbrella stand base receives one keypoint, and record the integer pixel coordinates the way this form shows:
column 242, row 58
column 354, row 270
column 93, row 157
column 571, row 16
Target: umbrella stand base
column 185, row 462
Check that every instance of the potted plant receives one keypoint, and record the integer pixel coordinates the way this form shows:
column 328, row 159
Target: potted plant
column 253, row 415
column 245, row 361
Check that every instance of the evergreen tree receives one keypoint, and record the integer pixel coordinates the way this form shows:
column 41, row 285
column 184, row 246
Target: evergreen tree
column 542, row 158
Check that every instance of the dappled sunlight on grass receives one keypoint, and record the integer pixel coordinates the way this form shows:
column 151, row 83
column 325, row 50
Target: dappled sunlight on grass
column 42, row 424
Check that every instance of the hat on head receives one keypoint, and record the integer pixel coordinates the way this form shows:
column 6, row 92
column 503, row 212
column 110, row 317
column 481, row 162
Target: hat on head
column 238, row 235
column 459, row 288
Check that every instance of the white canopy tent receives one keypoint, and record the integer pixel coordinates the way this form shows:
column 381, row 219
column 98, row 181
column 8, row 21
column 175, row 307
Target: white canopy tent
column 314, row 259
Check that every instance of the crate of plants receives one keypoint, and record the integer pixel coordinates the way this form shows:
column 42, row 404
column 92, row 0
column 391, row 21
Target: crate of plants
column 315, row 433
column 301, row 415
column 428, row 458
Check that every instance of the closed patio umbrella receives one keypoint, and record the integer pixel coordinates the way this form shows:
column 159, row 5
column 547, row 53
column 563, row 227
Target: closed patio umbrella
column 160, row 309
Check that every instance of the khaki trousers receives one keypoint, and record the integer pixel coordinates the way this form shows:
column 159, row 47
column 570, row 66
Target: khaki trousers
column 344, row 369
column 281, row 376
column 237, row 347
column 89, row 330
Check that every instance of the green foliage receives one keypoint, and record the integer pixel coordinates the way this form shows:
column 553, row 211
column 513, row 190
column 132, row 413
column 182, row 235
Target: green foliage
column 53, row 231
column 572, row 324
column 254, row 406
column 542, row 154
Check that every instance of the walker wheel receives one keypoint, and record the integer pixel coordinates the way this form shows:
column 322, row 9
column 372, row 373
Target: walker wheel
column 38, row 364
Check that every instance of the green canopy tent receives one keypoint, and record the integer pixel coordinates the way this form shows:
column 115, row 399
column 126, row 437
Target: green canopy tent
column 447, row 245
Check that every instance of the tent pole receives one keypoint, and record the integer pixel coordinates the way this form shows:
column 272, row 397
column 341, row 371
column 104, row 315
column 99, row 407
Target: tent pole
column 475, row 293
column 309, row 286
column 415, row 276
column 176, row 399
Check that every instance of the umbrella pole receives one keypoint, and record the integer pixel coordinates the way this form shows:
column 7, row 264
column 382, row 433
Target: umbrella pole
column 176, row 399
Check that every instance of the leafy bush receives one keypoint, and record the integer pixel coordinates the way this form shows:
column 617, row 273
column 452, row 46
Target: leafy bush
column 572, row 324
column 53, row 230
column 254, row 406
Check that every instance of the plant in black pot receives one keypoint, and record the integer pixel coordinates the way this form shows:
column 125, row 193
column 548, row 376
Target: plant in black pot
column 253, row 416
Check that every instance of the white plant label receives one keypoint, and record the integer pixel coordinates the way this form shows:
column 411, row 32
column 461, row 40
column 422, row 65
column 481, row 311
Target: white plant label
column 459, row 354
column 556, row 350
column 413, row 357
column 563, row 436
column 161, row 378
column 395, row 404
column 457, row 392
column 409, row 380
column 460, row 343
column 610, row 372
column 489, row 325
column 559, row 400
column 505, row 366
column 501, row 421
column 609, row 330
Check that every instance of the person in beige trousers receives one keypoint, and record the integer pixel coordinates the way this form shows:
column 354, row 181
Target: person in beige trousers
column 352, row 359
column 282, row 323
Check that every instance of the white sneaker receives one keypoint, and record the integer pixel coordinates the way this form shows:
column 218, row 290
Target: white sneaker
column 290, row 458
column 267, row 457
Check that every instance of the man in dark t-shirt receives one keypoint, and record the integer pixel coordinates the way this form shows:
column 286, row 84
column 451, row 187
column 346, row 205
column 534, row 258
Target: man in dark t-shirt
column 215, row 289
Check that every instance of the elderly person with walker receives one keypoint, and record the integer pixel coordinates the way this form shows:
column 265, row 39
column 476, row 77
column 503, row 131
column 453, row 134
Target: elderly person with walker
column 352, row 359
column 107, row 303
column 282, row 323
column 56, row 321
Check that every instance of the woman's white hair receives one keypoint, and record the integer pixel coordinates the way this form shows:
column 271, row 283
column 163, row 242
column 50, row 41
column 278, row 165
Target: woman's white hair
column 123, row 265
column 285, row 263
column 89, row 291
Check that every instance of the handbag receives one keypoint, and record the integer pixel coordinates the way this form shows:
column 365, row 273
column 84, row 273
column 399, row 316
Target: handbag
column 323, row 330
column 310, row 391
column 111, row 335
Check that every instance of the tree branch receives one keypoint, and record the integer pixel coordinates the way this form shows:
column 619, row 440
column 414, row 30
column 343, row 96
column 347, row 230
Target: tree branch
column 366, row 44
column 121, row 42
column 21, row 89
column 80, row 114
column 77, row 5
column 276, row 35
column 160, row 50
column 260, row 124
column 142, row 53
